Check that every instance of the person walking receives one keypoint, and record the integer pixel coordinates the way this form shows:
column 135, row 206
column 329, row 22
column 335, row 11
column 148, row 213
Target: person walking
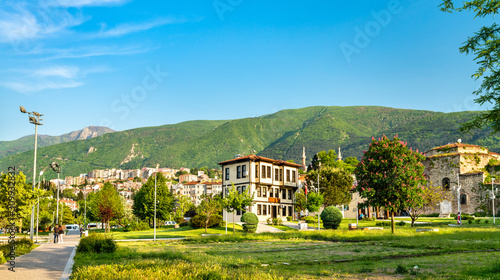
column 61, row 233
column 56, row 233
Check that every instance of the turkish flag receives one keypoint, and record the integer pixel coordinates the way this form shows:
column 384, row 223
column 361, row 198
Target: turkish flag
column 305, row 188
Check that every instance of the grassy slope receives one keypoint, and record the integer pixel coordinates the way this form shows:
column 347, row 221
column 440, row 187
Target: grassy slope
column 280, row 135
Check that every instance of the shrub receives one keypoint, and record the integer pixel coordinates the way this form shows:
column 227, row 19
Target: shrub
column 250, row 228
column 96, row 243
column 486, row 221
column 23, row 243
column 478, row 221
column 198, row 221
column 250, row 218
column 184, row 224
column 470, row 222
column 433, row 215
column 368, row 219
column 309, row 219
column 277, row 222
column 269, row 221
column 331, row 217
column 480, row 214
column 179, row 219
column 2, row 258
column 401, row 223
column 401, row 269
column 134, row 226
column 383, row 224
column 289, row 218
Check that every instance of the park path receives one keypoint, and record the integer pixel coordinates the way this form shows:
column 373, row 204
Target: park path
column 48, row 261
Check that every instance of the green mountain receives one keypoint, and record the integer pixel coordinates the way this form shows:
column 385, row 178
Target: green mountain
column 26, row 143
column 280, row 135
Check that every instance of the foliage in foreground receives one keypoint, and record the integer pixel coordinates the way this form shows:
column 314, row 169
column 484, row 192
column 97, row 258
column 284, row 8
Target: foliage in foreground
column 97, row 243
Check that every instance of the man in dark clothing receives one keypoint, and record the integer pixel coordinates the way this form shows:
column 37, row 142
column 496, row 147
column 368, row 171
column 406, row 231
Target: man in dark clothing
column 56, row 233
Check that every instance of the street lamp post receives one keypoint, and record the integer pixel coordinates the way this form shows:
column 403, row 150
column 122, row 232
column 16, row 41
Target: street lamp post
column 57, row 168
column 493, row 199
column 36, row 119
column 38, row 207
column 154, row 224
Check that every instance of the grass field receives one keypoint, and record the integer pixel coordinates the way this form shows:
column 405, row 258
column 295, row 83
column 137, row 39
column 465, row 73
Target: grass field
column 469, row 252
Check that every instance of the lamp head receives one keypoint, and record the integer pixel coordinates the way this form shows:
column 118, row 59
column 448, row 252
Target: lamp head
column 23, row 110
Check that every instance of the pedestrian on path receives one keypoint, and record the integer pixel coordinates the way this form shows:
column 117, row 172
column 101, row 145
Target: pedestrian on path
column 56, row 233
column 61, row 234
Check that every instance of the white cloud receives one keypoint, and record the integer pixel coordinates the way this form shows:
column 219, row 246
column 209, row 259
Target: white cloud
column 124, row 29
column 23, row 21
column 90, row 51
column 27, row 87
column 68, row 72
column 82, row 3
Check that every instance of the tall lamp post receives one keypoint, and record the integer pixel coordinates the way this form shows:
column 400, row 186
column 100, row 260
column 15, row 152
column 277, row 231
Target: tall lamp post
column 57, row 168
column 38, row 207
column 154, row 224
column 36, row 119
column 493, row 199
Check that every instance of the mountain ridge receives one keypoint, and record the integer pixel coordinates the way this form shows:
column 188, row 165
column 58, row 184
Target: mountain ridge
column 280, row 135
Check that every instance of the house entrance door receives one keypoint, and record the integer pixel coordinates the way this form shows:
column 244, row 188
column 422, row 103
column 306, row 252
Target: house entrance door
column 274, row 213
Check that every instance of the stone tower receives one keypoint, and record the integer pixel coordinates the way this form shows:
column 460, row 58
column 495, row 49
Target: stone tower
column 304, row 167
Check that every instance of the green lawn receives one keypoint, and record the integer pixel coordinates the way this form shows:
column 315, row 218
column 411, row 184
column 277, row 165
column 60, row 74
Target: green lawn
column 468, row 252
column 170, row 232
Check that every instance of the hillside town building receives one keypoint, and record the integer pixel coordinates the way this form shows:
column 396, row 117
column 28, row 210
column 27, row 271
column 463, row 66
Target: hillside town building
column 272, row 182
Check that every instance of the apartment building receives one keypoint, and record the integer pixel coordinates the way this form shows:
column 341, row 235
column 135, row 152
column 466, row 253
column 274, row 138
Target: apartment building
column 273, row 183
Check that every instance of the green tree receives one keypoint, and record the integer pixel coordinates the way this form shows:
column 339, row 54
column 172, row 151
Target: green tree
column 143, row 206
column 335, row 185
column 485, row 46
column 300, row 201
column 314, row 201
column 182, row 204
column 234, row 201
column 80, row 196
column 431, row 197
column 209, row 206
column 391, row 175
column 331, row 217
column 25, row 197
column 107, row 204
column 68, row 193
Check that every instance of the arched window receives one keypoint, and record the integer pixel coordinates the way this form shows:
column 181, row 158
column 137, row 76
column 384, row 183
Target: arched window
column 446, row 184
column 463, row 199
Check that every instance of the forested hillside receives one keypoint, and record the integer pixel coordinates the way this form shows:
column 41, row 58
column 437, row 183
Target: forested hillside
column 280, row 135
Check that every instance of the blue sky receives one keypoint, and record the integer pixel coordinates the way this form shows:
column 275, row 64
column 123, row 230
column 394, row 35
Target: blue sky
column 126, row 64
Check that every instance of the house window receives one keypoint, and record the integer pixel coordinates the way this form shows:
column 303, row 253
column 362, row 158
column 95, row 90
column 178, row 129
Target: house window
column 243, row 188
column 293, row 176
column 276, row 193
column 238, row 172
column 227, row 173
column 289, row 194
column 281, row 174
column 259, row 209
column 463, row 199
column 283, row 211
column 269, row 172
column 283, row 194
column 259, row 192
column 244, row 171
column 264, row 191
column 288, row 175
column 290, row 211
column 263, row 171
column 276, row 174
column 264, row 209
column 238, row 212
column 256, row 171
column 238, row 188
column 271, row 193
column 446, row 184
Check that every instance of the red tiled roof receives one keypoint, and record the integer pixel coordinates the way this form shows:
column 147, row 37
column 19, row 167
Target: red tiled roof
column 454, row 145
column 259, row 158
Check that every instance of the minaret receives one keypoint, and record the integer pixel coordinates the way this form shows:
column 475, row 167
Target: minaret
column 304, row 167
column 339, row 158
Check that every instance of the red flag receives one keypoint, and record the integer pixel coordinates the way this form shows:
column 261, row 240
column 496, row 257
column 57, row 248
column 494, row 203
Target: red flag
column 305, row 188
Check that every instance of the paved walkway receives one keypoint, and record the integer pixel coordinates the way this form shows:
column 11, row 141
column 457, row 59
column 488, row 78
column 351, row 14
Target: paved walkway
column 48, row 261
